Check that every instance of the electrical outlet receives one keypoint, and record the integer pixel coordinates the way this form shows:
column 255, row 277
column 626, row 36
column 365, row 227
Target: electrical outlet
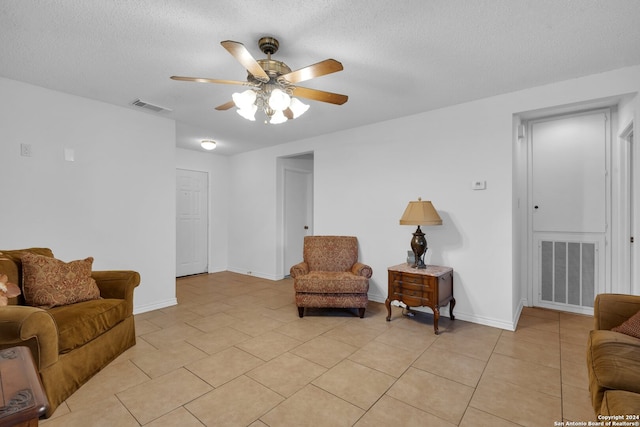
column 25, row 150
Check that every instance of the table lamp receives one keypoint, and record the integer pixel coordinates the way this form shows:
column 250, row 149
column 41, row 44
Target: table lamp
column 420, row 213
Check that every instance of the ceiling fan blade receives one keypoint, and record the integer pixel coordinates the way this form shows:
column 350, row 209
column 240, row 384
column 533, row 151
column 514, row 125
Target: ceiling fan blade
column 322, row 68
column 226, row 106
column 243, row 56
column 204, row 80
column 319, row 95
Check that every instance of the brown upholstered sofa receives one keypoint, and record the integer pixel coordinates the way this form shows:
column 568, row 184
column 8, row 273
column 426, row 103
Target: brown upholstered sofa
column 613, row 358
column 73, row 342
column 330, row 274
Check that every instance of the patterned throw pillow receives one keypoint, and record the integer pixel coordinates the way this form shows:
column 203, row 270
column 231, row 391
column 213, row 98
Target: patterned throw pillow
column 49, row 282
column 630, row 327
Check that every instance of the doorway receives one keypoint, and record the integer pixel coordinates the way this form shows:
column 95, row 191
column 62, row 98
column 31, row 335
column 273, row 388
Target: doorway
column 192, row 223
column 569, row 209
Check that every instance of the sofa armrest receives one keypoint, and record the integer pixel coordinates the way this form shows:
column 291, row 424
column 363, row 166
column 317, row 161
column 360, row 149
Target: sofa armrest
column 117, row 284
column 31, row 327
column 360, row 269
column 611, row 310
column 299, row 269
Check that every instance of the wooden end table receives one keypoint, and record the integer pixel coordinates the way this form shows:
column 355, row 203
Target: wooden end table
column 22, row 398
column 430, row 287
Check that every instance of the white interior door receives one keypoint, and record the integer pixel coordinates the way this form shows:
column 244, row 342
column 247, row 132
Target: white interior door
column 569, row 209
column 191, row 222
column 298, row 209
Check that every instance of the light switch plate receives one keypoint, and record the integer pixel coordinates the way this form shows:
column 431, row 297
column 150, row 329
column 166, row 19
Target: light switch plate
column 479, row 185
column 25, row 150
column 69, row 154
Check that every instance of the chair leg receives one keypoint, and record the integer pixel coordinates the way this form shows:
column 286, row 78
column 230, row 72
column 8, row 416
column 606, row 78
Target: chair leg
column 361, row 312
column 300, row 311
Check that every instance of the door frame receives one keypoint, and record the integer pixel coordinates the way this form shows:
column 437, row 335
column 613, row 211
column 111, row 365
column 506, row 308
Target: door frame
column 625, row 255
column 530, row 244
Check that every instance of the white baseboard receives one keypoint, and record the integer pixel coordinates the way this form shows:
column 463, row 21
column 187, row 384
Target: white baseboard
column 377, row 298
column 516, row 315
column 155, row 306
column 254, row 273
column 486, row 321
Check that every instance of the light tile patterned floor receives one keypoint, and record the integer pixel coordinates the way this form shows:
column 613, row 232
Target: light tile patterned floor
column 233, row 352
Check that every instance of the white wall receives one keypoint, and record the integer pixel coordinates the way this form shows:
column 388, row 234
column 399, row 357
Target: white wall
column 115, row 202
column 217, row 168
column 364, row 177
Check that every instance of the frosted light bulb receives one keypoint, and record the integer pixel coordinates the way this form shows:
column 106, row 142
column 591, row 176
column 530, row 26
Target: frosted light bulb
column 297, row 107
column 244, row 99
column 277, row 118
column 279, row 100
column 248, row 113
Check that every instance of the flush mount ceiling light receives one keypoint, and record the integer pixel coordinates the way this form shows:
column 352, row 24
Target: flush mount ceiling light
column 208, row 144
column 272, row 84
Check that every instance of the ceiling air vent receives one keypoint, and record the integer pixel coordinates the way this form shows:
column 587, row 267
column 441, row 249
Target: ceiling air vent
column 148, row 106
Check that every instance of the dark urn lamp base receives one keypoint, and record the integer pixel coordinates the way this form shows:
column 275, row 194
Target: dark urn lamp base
column 419, row 247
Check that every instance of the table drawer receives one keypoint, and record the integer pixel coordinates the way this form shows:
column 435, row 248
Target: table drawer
column 406, row 280
column 411, row 279
column 410, row 286
column 413, row 297
column 410, row 292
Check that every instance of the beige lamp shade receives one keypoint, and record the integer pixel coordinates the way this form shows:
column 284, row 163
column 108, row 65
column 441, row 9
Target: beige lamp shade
column 420, row 213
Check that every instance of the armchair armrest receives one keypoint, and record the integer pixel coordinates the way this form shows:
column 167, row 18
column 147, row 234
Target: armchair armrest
column 117, row 284
column 299, row 269
column 611, row 310
column 31, row 327
column 360, row 269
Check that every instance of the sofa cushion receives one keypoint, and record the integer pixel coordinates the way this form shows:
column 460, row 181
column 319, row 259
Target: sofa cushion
column 335, row 282
column 630, row 327
column 614, row 361
column 619, row 402
column 49, row 282
column 81, row 322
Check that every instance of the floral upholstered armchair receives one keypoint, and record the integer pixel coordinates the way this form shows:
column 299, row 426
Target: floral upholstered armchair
column 330, row 275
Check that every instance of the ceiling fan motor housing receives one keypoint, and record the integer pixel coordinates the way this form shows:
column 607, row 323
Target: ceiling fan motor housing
column 268, row 45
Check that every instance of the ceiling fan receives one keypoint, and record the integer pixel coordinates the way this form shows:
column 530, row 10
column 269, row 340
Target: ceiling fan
column 273, row 84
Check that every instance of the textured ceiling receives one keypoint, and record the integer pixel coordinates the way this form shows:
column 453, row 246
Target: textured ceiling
column 400, row 58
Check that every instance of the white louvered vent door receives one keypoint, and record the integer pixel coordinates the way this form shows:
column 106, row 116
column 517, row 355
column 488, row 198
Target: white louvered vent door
column 569, row 199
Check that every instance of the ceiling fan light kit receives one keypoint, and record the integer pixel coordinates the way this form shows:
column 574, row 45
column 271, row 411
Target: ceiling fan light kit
column 272, row 84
